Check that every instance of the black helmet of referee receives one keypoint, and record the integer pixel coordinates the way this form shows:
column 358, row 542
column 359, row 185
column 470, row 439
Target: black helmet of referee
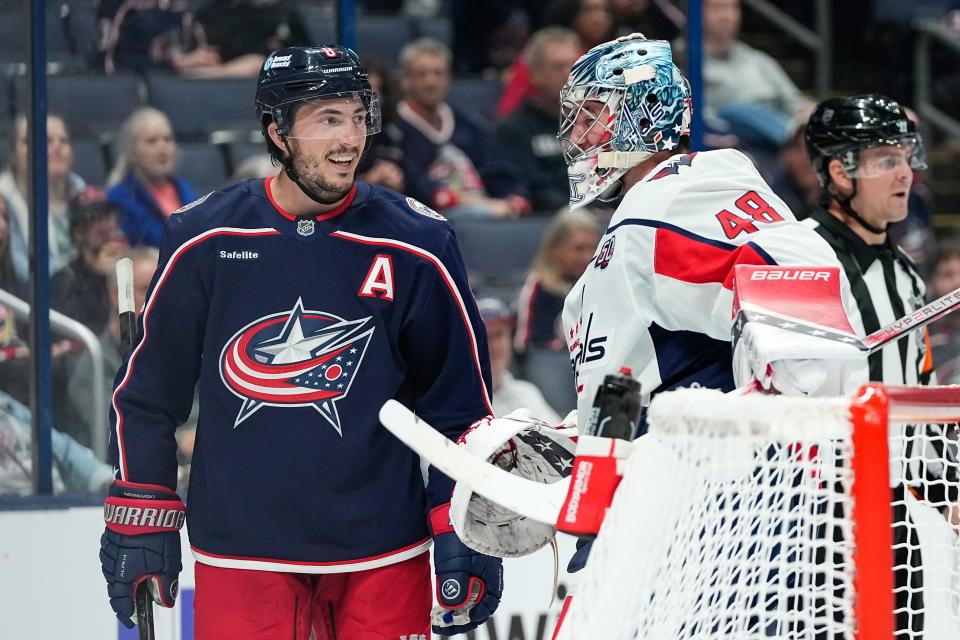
column 842, row 127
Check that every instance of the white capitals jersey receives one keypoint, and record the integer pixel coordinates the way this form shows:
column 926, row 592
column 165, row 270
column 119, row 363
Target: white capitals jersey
column 657, row 297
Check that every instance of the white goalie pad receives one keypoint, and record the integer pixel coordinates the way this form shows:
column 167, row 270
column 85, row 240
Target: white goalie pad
column 522, row 445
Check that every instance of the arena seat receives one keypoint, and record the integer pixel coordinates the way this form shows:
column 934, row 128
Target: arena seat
column 89, row 161
column 436, row 27
column 382, row 37
column 320, row 22
column 203, row 166
column 80, row 100
column 498, row 253
column 476, row 95
column 198, row 107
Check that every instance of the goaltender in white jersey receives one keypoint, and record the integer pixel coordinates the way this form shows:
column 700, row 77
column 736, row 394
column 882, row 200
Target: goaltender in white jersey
column 696, row 237
column 658, row 295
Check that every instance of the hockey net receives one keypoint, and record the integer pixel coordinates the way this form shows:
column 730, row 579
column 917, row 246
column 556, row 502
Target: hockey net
column 762, row 516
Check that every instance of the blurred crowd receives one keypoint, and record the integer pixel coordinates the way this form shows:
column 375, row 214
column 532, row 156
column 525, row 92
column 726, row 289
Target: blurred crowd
column 470, row 102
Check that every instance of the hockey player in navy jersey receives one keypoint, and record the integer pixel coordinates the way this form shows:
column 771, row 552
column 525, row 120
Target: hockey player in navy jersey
column 300, row 304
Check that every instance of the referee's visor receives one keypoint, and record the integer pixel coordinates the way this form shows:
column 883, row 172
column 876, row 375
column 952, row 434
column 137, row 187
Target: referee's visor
column 891, row 155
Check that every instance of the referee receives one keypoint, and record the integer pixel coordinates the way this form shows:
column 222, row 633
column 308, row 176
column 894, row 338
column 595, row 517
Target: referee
column 865, row 150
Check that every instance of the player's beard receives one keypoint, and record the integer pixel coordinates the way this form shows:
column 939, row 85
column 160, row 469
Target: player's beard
column 324, row 188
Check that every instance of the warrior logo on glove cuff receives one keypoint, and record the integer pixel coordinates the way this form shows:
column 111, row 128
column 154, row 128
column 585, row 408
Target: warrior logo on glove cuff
column 296, row 358
column 450, row 589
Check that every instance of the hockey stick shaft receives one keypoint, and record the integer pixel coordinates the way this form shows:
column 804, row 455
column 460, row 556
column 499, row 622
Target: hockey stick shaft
column 541, row 502
column 126, row 306
column 916, row 320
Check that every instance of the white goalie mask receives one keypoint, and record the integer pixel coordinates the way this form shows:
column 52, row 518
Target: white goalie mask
column 525, row 446
column 624, row 101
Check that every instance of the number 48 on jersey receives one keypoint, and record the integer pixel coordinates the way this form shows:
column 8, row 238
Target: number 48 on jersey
column 752, row 210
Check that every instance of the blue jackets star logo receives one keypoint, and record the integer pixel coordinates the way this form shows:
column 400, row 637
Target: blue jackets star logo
column 297, row 358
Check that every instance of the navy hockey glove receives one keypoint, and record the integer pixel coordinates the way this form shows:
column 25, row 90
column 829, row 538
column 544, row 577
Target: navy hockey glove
column 141, row 542
column 469, row 583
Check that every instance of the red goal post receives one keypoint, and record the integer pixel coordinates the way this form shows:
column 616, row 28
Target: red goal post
column 764, row 516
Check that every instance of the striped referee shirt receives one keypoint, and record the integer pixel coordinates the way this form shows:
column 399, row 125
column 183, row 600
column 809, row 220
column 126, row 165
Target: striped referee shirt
column 887, row 286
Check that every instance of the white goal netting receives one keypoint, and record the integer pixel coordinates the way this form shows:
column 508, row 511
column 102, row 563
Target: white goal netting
column 736, row 519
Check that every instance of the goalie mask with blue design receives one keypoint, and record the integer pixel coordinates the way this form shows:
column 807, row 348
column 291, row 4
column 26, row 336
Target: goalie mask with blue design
column 624, row 101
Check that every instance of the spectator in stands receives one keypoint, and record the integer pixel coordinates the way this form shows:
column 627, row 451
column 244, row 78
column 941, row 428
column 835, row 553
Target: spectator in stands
column 487, row 35
column 14, row 347
column 946, row 80
column 742, row 85
column 529, row 136
column 75, row 467
column 382, row 162
column 9, row 279
column 794, row 179
column 62, row 184
column 449, row 159
column 945, row 333
column 14, row 352
column 237, row 35
column 509, row 393
column 80, row 290
column 592, row 21
column 145, row 35
column 143, row 183
column 566, row 249
column 11, row 346
column 659, row 19
column 79, row 387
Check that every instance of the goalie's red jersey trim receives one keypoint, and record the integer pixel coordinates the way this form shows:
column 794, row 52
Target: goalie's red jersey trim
column 683, row 255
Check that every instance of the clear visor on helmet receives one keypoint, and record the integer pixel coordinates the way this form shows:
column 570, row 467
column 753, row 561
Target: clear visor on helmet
column 337, row 116
column 588, row 118
column 903, row 153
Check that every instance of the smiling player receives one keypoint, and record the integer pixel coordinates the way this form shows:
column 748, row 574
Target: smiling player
column 300, row 304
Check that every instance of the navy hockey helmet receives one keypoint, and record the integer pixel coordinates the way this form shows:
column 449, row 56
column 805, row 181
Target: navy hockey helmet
column 843, row 127
column 294, row 75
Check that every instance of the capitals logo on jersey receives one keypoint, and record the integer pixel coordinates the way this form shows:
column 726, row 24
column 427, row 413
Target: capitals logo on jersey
column 673, row 168
column 295, row 358
column 602, row 261
column 588, row 347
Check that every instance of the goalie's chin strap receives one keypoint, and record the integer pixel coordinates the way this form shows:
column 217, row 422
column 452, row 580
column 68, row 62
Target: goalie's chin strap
column 621, row 159
column 618, row 160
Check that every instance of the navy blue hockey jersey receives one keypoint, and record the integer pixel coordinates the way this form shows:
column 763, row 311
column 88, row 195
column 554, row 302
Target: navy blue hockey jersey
column 297, row 331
